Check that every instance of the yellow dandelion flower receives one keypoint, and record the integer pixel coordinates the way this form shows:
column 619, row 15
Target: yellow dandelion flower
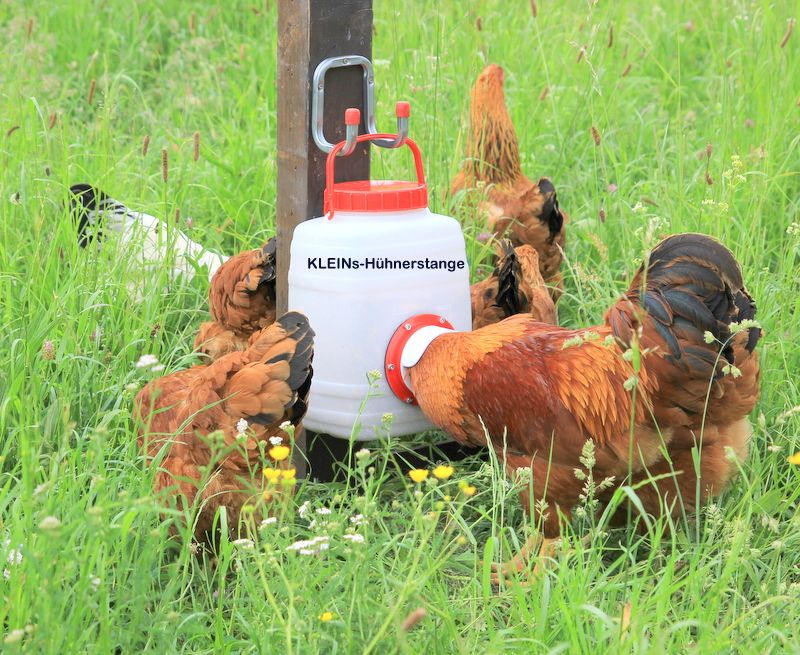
column 271, row 474
column 418, row 475
column 468, row 490
column 279, row 453
column 794, row 459
column 326, row 616
column 443, row 472
column 289, row 474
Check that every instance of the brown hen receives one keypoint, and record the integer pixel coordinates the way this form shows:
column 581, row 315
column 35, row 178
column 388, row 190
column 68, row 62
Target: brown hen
column 265, row 385
column 514, row 287
column 241, row 300
column 514, row 206
column 670, row 358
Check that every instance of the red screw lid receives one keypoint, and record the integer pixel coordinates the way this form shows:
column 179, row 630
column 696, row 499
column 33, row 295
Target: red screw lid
column 378, row 195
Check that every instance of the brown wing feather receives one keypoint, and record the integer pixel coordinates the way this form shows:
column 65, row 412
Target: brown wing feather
column 266, row 384
column 241, row 300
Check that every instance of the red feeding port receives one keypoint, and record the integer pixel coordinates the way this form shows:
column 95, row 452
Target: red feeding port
column 394, row 352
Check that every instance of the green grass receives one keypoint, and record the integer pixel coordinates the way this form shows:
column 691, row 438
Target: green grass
column 109, row 578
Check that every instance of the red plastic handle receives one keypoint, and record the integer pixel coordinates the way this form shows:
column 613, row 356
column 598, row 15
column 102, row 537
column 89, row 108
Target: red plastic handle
column 329, row 164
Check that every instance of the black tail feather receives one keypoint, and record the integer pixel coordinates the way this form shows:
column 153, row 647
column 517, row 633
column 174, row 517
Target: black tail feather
column 693, row 286
column 508, row 273
column 269, row 267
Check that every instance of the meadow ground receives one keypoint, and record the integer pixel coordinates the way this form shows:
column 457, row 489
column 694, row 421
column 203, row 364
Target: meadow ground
column 696, row 111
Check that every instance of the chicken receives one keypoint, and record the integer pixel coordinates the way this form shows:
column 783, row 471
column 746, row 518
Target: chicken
column 140, row 236
column 675, row 357
column 528, row 212
column 241, row 300
column 264, row 386
column 514, row 287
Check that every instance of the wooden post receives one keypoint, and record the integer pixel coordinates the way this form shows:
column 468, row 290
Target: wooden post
column 308, row 32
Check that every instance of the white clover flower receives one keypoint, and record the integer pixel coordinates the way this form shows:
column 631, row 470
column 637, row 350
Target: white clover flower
column 15, row 556
column 297, row 545
column 146, row 361
column 361, row 454
column 324, row 511
column 358, row 519
column 157, row 368
column 6, row 574
column 241, row 426
column 354, row 538
column 310, row 546
column 269, row 521
column 285, row 426
column 244, row 544
column 276, row 441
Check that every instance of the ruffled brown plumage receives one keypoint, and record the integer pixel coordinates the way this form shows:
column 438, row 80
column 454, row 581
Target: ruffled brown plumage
column 265, row 385
column 241, row 300
column 514, row 287
column 671, row 371
column 513, row 205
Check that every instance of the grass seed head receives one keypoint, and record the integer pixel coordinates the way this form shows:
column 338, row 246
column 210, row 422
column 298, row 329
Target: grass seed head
column 164, row 165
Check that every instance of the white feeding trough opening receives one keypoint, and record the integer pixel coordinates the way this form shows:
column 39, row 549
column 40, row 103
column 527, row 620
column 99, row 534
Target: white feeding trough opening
column 377, row 257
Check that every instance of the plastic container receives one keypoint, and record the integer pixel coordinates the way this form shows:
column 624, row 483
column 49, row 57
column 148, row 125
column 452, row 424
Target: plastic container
column 378, row 256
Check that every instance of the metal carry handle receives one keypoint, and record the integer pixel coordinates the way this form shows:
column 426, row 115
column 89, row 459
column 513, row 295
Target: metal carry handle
column 318, row 106
column 337, row 149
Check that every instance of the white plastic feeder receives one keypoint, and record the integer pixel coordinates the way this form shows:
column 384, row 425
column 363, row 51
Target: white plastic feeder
column 378, row 256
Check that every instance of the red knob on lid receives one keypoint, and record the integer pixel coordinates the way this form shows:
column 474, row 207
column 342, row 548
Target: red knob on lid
column 402, row 109
column 352, row 116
